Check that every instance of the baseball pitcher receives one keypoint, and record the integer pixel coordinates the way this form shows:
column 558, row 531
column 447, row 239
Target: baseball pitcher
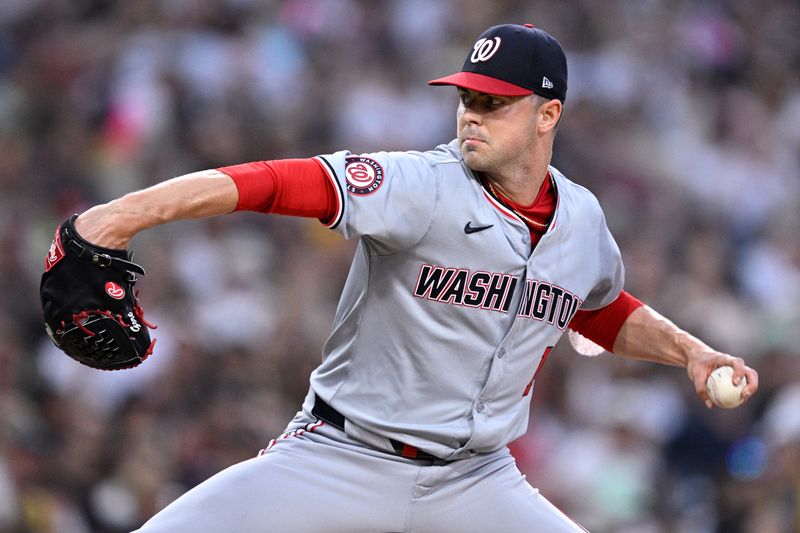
column 473, row 259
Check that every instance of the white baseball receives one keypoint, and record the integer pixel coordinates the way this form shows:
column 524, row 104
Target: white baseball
column 721, row 389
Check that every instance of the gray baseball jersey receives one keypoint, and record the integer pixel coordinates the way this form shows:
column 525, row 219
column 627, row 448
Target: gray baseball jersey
column 447, row 313
column 444, row 321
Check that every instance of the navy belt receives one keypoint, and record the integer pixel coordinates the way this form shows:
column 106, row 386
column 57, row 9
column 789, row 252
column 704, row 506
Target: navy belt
column 328, row 414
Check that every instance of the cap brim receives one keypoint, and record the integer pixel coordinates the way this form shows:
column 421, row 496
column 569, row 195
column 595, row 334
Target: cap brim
column 482, row 84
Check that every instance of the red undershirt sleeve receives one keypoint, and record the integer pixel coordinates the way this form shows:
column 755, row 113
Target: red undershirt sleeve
column 298, row 187
column 602, row 326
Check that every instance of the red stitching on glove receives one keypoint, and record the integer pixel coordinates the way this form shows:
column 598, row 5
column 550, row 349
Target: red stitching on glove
column 77, row 317
column 139, row 312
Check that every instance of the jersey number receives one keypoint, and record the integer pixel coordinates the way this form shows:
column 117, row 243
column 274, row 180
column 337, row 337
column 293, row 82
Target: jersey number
column 538, row 368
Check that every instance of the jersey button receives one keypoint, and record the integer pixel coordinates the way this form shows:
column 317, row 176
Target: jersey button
column 526, row 239
column 501, row 353
column 480, row 407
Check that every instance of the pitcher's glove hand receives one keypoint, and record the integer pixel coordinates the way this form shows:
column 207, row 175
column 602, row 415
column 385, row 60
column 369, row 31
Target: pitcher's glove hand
column 90, row 308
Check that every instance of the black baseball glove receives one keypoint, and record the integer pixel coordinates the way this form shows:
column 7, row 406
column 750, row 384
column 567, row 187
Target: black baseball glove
column 91, row 310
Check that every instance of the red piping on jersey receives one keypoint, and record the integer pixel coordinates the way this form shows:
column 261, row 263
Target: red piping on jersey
column 558, row 202
column 543, row 206
column 500, row 207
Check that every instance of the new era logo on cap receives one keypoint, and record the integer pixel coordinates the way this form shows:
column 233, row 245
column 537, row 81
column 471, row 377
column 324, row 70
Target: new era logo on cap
column 513, row 60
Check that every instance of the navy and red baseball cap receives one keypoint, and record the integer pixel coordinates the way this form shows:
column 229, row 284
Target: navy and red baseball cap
column 513, row 60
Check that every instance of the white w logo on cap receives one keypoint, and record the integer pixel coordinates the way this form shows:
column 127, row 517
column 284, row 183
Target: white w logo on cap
column 484, row 49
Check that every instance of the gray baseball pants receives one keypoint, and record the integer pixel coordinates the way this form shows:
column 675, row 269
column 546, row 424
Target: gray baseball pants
column 317, row 480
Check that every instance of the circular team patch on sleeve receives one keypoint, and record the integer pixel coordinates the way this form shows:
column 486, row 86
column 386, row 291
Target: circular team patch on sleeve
column 364, row 175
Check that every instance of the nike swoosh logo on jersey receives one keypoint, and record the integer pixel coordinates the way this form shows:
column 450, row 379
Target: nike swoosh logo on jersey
column 469, row 228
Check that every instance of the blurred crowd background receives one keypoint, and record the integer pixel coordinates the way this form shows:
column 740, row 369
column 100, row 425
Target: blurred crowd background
column 682, row 116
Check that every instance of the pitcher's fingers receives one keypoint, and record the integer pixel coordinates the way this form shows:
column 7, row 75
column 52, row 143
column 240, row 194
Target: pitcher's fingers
column 700, row 389
column 739, row 370
column 752, row 383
